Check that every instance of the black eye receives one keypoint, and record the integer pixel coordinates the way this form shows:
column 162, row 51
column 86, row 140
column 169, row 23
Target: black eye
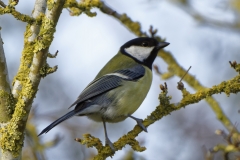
column 144, row 44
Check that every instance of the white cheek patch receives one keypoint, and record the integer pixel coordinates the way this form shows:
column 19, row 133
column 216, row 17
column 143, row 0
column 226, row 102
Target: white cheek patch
column 138, row 52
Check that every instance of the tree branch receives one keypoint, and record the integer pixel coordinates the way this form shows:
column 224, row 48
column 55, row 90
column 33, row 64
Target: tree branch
column 2, row 4
column 6, row 107
column 164, row 109
column 19, row 16
column 134, row 27
column 33, row 58
column 39, row 9
column 77, row 8
column 6, row 99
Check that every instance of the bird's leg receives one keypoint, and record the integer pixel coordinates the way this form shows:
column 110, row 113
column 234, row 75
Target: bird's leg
column 107, row 140
column 139, row 122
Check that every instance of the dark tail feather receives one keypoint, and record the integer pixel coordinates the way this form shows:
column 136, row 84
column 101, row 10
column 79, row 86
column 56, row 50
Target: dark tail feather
column 63, row 118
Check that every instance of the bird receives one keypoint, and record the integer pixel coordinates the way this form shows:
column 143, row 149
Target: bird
column 119, row 88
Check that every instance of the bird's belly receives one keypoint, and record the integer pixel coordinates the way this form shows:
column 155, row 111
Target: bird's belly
column 125, row 100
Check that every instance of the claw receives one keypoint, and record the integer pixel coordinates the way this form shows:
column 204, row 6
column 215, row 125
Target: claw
column 110, row 144
column 139, row 122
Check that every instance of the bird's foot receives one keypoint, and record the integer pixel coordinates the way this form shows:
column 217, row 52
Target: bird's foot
column 140, row 124
column 110, row 144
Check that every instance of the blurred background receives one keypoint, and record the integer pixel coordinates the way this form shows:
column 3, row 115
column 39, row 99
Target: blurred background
column 203, row 34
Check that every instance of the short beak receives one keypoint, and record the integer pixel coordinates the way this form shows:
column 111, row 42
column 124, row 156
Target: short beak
column 162, row 45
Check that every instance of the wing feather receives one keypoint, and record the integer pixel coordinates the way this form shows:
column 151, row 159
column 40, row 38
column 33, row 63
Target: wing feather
column 109, row 82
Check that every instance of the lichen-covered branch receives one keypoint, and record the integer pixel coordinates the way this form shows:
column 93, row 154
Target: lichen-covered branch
column 28, row 77
column 19, row 16
column 77, row 8
column 164, row 109
column 6, row 98
column 134, row 27
column 30, row 35
column 173, row 67
column 6, row 105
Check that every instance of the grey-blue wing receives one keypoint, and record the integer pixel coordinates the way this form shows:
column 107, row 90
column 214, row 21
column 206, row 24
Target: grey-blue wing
column 109, row 82
column 133, row 73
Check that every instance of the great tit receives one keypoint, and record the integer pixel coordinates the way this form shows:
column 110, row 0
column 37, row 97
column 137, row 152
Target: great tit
column 119, row 88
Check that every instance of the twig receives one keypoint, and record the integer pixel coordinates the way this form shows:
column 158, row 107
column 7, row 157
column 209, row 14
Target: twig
column 19, row 16
column 134, row 27
column 2, row 4
column 180, row 85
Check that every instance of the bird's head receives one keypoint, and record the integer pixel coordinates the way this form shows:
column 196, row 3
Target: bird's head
column 144, row 50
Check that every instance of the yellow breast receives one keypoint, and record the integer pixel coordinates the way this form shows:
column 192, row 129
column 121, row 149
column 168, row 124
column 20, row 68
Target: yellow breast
column 128, row 98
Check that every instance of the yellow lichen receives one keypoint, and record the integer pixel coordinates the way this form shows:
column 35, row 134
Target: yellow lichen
column 78, row 8
column 46, row 70
column 6, row 106
column 19, row 16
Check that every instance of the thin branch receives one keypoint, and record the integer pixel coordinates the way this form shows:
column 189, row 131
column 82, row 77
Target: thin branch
column 209, row 21
column 2, row 4
column 175, row 69
column 134, row 27
column 19, row 16
column 164, row 109
column 76, row 8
